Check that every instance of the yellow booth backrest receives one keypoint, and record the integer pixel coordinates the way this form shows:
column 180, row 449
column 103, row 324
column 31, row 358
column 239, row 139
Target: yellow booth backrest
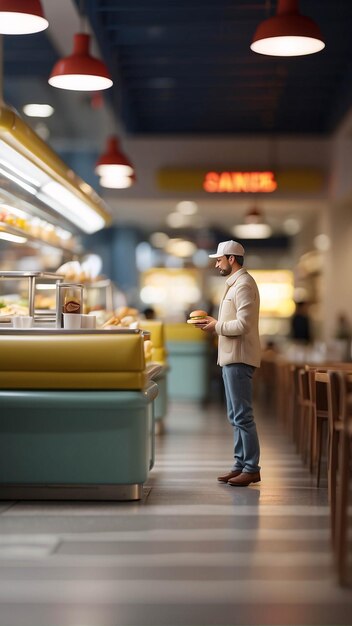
column 181, row 331
column 157, row 336
column 82, row 361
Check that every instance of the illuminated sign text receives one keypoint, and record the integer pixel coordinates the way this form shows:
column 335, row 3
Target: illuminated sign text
column 239, row 182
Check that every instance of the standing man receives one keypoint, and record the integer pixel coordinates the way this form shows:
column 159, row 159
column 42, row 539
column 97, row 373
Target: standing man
column 238, row 354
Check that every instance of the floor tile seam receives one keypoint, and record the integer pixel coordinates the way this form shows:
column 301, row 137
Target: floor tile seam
column 161, row 592
column 217, row 455
column 223, row 511
column 178, row 559
column 267, row 485
column 153, row 512
column 181, row 522
column 201, row 510
column 218, row 470
column 209, row 534
column 274, row 457
column 318, row 574
column 192, row 526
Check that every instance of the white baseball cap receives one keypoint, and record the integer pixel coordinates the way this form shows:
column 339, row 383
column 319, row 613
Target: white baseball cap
column 228, row 247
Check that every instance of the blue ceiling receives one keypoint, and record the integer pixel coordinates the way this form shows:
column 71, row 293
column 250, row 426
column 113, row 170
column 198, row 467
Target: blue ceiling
column 185, row 66
column 28, row 55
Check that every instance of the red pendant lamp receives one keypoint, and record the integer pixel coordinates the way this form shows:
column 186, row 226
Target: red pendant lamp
column 80, row 71
column 113, row 162
column 288, row 33
column 21, row 17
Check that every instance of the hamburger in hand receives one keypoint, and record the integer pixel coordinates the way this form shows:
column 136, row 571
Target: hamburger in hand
column 197, row 317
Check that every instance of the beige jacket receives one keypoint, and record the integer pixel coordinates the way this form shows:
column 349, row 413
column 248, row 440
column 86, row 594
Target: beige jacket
column 238, row 318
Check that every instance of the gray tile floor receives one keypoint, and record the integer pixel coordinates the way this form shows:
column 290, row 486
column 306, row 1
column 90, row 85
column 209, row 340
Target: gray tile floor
column 192, row 553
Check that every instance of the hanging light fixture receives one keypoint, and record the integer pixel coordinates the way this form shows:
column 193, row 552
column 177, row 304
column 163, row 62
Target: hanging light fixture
column 254, row 226
column 21, row 17
column 113, row 163
column 117, row 182
column 80, row 71
column 288, row 33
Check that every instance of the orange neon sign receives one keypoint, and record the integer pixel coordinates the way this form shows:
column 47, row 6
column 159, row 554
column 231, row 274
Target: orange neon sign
column 239, row 182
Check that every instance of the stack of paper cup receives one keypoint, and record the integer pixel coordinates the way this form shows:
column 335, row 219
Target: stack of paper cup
column 72, row 321
column 22, row 321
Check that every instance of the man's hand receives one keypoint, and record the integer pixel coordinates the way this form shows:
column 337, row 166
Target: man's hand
column 209, row 325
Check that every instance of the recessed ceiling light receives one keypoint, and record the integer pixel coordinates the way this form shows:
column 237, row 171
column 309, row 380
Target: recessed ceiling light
column 176, row 220
column 187, row 207
column 180, row 247
column 292, row 226
column 38, row 110
column 159, row 239
column 322, row 242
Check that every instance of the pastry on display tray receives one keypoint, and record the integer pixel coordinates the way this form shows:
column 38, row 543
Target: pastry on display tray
column 9, row 310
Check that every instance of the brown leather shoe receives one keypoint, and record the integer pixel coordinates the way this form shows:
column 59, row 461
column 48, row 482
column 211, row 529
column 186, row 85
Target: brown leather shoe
column 244, row 479
column 226, row 477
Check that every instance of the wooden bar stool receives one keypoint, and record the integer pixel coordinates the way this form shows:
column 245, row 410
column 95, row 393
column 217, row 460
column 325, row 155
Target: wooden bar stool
column 335, row 422
column 305, row 415
column 293, row 407
column 312, row 435
column 320, row 417
column 345, row 457
column 286, row 395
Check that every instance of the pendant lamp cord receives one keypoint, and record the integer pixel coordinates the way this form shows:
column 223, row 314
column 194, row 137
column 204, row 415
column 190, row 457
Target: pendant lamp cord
column 82, row 16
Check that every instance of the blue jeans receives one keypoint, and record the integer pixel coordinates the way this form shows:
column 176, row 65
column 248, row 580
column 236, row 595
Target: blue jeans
column 237, row 379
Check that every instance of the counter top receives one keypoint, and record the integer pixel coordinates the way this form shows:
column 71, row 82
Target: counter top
column 78, row 331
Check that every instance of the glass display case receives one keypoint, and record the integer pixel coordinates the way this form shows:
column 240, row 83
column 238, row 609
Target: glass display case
column 99, row 295
column 29, row 282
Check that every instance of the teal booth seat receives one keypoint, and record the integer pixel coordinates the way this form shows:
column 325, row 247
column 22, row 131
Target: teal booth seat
column 96, row 444
column 75, row 443
column 188, row 357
